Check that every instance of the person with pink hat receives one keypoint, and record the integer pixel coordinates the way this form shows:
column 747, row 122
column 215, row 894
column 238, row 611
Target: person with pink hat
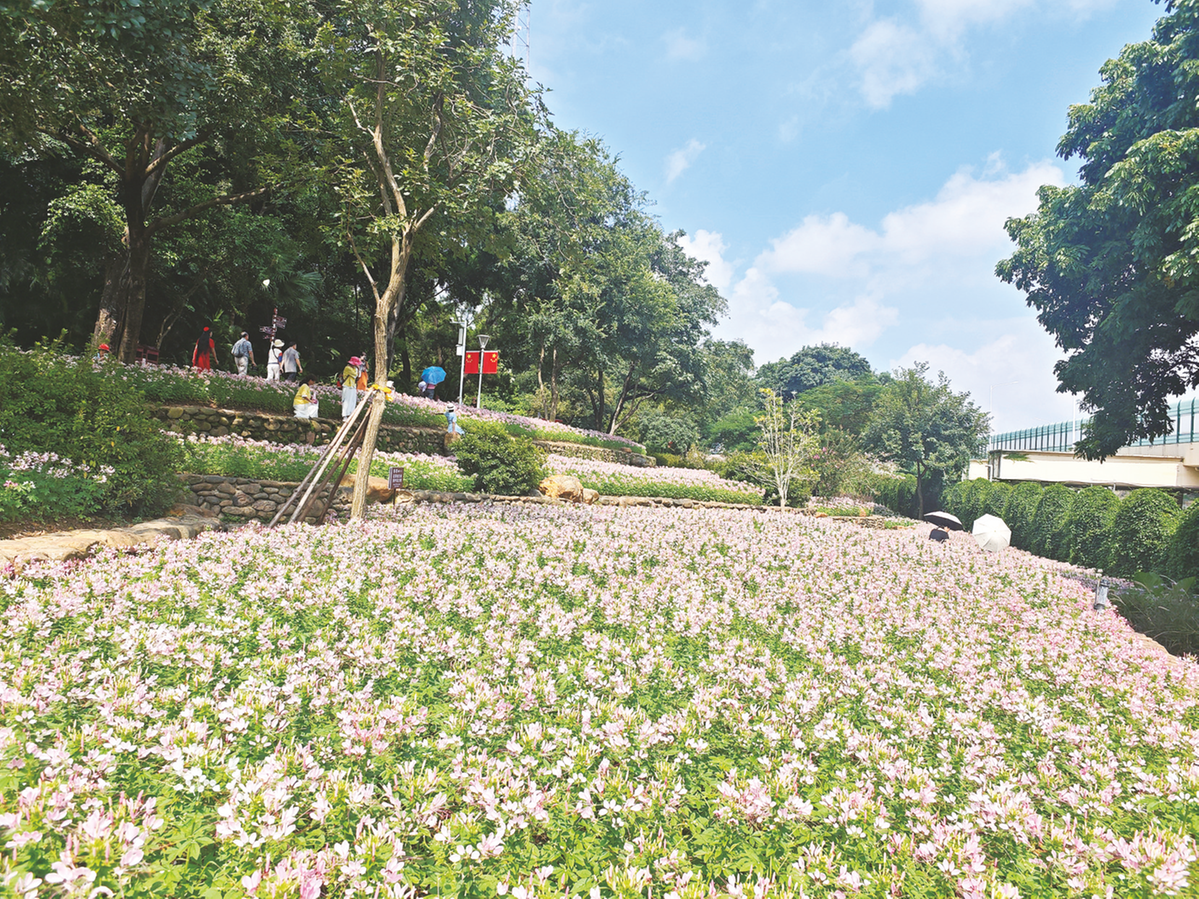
column 349, row 386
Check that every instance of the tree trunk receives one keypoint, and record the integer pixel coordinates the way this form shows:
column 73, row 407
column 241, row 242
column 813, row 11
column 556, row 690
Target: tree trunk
column 132, row 290
column 405, row 363
column 109, row 318
column 554, row 386
column 920, row 490
column 389, row 300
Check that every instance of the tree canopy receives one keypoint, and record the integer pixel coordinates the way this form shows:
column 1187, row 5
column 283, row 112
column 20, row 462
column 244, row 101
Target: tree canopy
column 812, row 367
column 1112, row 264
column 923, row 425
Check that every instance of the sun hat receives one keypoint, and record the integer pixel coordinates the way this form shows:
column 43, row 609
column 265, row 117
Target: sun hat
column 449, row 407
column 277, row 342
column 102, row 346
column 354, row 360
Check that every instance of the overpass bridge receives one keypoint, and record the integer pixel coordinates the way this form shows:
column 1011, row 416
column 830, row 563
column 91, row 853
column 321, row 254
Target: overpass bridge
column 1046, row 454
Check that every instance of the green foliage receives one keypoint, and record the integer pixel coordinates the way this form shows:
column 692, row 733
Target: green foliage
column 843, row 404
column 1049, row 520
column 1088, row 527
column 840, row 466
column 498, row 462
column 735, row 432
column 975, row 495
column 998, row 499
column 662, row 432
column 1141, row 532
column 1021, row 513
column 1112, row 264
column 812, row 367
column 1163, row 609
column 93, row 419
column 1182, row 558
column 898, row 494
column 926, row 428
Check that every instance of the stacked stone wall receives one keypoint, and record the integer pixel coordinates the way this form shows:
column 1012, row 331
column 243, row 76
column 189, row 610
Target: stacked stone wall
column 245, row 499
column 279, row 428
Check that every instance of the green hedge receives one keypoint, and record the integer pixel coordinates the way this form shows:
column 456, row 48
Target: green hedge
column 1020, row 512
column 1182, row 558
column 498, row 462
column 1141, row 532
column 1048, row 524
column 1088, row 527
column 974, row 501
column 998, row 499
column 897, row 494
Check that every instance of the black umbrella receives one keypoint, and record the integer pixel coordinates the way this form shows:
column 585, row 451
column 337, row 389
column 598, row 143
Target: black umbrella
column 944, row 520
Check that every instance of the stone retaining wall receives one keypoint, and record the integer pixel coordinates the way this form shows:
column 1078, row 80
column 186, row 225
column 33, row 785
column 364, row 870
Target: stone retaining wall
column 244, row 499
column 279, row 428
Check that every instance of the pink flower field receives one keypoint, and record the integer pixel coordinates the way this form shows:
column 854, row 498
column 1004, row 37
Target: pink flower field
column 541, row 701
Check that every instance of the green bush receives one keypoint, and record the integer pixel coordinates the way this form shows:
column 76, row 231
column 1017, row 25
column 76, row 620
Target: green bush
column 1048, row 523
column 1089, row 525
column 1182, row 558
column 1141, row 532
column 951, row 499
column 84, row 413
column 897, row 493
column 997, row 501
column 974, row 501
column 1162, row 609
column 499, row 462
column 1020, row 511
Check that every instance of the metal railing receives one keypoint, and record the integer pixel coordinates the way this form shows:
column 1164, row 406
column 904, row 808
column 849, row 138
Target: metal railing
column 1061, row 437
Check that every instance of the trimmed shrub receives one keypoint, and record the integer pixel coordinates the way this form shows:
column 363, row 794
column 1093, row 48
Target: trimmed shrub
column 951, row 499
column 1048, row 523
column 1141, row 532
column 898, row 494
column 1020, row 511
column 1088, row 527
column 974, row 501
column 84, row 413
column 997, row 501
column 499, row 462
column 1182, row 558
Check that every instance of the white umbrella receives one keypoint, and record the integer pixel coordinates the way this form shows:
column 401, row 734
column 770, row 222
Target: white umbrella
column 991, row 533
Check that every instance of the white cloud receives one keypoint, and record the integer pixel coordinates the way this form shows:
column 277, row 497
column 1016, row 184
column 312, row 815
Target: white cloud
column 1010, row 376
column 964, row 220
column 776, row 328
column 679, row 45
column 893, row 59
column 708, row 246
column 929, row 265
column 680, row 160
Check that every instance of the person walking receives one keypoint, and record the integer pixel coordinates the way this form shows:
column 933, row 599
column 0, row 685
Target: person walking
column 274, row 356
column 349, row 387
column 243, row 354
column 205, row 352
column 291, row 362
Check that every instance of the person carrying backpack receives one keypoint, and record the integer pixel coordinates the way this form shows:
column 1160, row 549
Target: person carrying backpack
column 243, row 354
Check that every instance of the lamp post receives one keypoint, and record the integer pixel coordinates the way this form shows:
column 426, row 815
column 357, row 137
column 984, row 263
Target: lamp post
column 461, row 351
column 483, row 338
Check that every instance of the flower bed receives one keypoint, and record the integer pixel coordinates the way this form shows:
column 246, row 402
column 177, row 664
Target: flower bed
column 583, row 701
column 37, row 485
column 244, row 458
column 168, row 385
column 612, row 479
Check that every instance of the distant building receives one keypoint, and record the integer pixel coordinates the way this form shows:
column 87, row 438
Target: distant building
column 1046, row 454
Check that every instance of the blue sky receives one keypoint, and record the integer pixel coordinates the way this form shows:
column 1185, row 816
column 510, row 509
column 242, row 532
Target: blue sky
column 846, row 168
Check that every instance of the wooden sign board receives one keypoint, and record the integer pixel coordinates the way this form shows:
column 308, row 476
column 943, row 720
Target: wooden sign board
column 395, row 478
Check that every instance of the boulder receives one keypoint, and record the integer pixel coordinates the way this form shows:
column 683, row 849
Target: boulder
column 377, row 490
column 562, row 486
column 590, row 496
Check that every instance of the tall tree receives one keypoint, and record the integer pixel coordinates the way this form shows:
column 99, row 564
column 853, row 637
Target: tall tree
column 140, row 87
column 811, row 367
column 1112, row 265
column 925, row 427
column 435, row 120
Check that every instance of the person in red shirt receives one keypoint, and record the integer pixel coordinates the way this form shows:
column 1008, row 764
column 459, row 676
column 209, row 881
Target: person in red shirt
column 205, row 352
